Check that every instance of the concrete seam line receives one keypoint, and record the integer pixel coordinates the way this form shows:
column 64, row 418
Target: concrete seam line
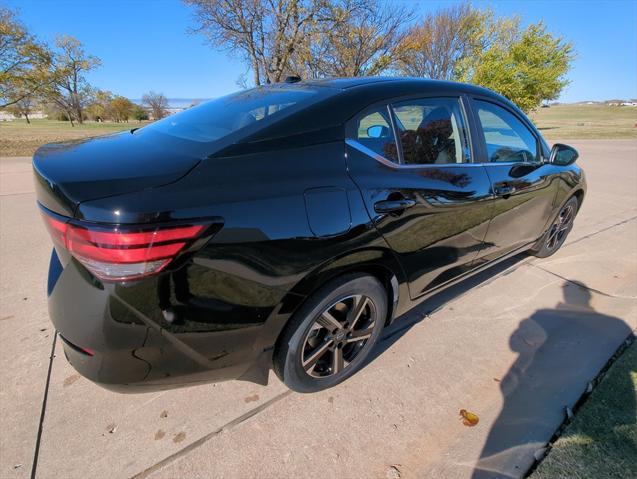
column 36, row 453
column 581, row 285
column 199, row 442
column 18, row 193
column 590, row 235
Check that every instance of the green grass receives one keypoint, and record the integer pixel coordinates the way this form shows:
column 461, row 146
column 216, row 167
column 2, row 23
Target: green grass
column 601, row 442
column 17, row 138
column 586, row 121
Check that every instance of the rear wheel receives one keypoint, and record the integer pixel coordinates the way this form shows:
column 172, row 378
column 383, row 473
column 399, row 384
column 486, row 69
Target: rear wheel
column 329, row 338
column 554, row 238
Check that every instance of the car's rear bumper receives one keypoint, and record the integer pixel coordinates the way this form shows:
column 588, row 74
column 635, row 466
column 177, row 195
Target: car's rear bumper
column 116, row 334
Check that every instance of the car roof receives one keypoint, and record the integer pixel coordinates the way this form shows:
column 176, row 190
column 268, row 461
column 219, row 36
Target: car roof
column 350, row 96
column 345, row 83
column 395, row 83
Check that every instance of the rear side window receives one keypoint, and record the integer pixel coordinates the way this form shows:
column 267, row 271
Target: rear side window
column 215, row 119
column 432, row 131
column 373, row 130
column 506, row 137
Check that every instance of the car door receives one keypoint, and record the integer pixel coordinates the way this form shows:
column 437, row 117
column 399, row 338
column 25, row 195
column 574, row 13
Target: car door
column 412, row 161
column 523, row 184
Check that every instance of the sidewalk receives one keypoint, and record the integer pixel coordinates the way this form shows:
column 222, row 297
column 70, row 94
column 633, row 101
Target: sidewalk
column 514, row 345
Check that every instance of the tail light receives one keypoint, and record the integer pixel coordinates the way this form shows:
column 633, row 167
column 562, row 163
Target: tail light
column 119, row 254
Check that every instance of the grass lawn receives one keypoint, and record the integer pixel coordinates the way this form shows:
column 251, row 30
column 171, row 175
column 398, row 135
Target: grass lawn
column 586, row 121
column 17, row 138
column 601, row 442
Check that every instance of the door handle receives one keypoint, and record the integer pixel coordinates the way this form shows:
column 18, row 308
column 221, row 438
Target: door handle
column 393, row 206
column 504, row 190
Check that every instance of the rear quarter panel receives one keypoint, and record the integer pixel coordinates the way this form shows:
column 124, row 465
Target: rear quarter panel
column 268, row 256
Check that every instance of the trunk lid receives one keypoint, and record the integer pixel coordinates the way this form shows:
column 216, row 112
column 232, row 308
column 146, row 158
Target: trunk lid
column 72, row 172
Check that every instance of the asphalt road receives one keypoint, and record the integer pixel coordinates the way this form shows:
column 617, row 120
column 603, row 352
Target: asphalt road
column 514, row 345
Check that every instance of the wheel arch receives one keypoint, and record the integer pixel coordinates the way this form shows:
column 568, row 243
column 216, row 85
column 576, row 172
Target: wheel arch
column 377, row 262
column 579, row 194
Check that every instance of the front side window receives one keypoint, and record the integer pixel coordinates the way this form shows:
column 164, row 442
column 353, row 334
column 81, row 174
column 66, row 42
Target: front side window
column 215, row 119
column 432, row 131
column 373, row 130
column 506, row 137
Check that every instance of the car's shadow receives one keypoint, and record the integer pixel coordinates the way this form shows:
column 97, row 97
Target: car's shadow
column 405, row 322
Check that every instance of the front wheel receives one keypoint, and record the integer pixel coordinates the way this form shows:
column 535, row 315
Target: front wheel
column 554, row 238
column 330, row 336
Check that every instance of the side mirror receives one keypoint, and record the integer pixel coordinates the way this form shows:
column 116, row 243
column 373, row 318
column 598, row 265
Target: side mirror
column 377, row 131
column 563, row 155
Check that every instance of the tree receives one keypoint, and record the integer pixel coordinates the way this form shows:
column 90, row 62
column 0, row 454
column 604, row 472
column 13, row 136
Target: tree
column 100, row 107
column 69, row 90
column 434, row 47
column 157, row 103
column 121, row 108
column 354, row 38
column 463, row 43
column 139, row 113
column 530, row 69
column 23, row 107
column 265, row 32
column 24, row 62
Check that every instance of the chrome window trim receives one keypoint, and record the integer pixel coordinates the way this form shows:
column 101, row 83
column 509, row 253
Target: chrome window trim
column 381, row 159
column 513, row 163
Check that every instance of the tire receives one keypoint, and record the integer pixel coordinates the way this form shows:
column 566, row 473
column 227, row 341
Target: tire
column 562, row 225
column 312, row 353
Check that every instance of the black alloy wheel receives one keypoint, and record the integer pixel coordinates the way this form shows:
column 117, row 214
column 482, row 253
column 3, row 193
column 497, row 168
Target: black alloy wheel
column 328, row 339
column 559, row 230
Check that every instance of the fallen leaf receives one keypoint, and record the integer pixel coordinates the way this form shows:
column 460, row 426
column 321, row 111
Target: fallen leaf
column 469, row 418
column 111, row 428
column 393, row 472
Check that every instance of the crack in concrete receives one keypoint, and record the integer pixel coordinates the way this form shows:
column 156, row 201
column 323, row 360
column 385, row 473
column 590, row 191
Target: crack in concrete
column 38, row 439
column 202, row 440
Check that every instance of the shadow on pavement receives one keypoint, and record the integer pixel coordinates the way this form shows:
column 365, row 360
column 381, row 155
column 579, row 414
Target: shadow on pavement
column 559, row 350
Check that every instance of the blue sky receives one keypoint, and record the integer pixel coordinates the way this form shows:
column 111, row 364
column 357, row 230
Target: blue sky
column 145, row 45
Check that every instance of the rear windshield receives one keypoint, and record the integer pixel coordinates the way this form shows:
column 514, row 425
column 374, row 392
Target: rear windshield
column 217, row 118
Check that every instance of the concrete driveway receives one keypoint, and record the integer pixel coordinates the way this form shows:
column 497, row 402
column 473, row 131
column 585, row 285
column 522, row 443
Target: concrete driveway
column 514, row 345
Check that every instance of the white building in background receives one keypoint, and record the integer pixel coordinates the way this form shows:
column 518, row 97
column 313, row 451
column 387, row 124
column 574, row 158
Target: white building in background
column 6, row 116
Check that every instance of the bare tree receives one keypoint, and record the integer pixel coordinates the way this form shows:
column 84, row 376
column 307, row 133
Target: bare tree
column 157, row 103
column 69, row 90
column 265, row 32
column 357, row 38
column 435, row 46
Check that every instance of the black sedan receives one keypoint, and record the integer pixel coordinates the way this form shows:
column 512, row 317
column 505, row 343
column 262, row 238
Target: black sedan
column 284, row 226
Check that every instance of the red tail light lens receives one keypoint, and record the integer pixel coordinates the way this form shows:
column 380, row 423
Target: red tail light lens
column 121, row 254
